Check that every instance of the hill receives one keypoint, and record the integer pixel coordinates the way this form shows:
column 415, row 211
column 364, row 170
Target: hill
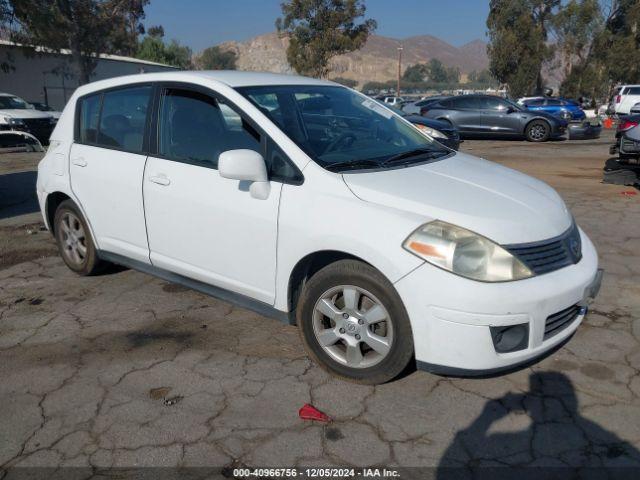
column 376, row 60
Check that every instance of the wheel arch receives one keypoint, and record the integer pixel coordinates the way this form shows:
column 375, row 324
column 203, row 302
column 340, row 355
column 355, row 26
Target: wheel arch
column 308, row 266
column 52, row 203
column 536, row 119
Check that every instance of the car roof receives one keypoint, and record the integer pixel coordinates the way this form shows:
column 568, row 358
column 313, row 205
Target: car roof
column 231, row 78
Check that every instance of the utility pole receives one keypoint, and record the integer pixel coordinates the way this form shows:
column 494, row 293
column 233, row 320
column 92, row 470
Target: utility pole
column 399, row 70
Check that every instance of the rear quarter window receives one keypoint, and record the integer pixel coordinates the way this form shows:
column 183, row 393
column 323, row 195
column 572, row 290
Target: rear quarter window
column 88, row 117
column 632, row 91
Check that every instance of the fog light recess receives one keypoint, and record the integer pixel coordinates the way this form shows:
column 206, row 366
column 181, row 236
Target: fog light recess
column 510, row 338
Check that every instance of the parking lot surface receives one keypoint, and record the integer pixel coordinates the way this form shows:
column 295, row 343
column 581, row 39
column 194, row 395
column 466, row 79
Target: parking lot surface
column 124, row 369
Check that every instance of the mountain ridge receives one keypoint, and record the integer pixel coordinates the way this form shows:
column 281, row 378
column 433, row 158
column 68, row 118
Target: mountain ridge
column 377, row 60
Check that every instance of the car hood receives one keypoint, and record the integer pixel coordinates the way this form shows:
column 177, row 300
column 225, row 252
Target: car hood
column 23, row 113
column 431, row 123
column 497, row 202
column 548, row 116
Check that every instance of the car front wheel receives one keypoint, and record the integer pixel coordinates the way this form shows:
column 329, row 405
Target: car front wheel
column 354, row 324
column 538, row 131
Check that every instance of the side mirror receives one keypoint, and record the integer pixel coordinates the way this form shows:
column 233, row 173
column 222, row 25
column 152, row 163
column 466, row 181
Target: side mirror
column 510, row 109
column 246, row 165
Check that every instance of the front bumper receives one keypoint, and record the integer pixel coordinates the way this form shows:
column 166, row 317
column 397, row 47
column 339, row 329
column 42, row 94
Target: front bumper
column 451, row 315
column 40, row 130
column 558, row 130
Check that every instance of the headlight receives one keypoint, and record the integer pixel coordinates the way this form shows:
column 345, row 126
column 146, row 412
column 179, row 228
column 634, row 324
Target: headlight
column 430, row 131
column 14, row 121
column 465, row 253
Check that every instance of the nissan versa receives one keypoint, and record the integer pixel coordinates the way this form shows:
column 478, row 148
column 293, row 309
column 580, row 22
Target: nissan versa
column 307, row 201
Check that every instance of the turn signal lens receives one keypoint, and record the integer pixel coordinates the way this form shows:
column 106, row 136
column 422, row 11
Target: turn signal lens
column 465, row 253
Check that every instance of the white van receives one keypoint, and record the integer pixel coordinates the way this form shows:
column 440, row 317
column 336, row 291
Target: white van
column 309, row 202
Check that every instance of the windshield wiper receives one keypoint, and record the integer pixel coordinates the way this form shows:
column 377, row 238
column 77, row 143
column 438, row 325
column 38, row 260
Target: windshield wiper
column 352, row 165
column 417, row 152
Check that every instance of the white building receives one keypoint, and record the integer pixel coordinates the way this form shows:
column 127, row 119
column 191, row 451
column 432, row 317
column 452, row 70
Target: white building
column 40, row 76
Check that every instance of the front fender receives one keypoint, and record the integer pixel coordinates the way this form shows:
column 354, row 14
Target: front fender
column 333, row 218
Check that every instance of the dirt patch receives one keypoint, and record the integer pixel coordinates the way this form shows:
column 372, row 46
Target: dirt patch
column 24, row 243
column 159, row 393
column 174, row 288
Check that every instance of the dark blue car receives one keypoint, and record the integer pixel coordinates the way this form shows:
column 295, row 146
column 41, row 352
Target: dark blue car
column 558, row 107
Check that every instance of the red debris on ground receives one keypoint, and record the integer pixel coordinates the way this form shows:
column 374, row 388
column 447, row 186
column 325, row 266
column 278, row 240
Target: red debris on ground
column 628, row 192
column 309, row 412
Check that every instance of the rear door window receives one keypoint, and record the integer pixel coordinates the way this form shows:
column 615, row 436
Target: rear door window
column 123, row 118
column 466, row 103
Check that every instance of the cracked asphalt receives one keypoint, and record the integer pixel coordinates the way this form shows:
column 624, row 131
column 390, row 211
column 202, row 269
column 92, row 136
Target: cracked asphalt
column 125, row 370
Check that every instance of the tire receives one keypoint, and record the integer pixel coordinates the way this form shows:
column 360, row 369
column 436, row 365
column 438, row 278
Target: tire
column 389, row 329
column 74, row 240
column 538, row 131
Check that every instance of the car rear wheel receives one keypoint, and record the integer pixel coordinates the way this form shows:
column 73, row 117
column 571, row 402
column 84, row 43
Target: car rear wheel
column 74, row 240
column 353, row 323
column 538, row 131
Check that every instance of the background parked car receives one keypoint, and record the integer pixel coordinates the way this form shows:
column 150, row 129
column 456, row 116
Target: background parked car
column 625, row 169
column 43, row 107
column 18, row 115
column 624, row 97
column 627, row 144
column 416, row 107
column 443, row 132
column 491, row 116
column 390, row 99
column 559, row 107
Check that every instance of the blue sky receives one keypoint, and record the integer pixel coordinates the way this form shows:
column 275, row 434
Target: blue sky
column 202, row 23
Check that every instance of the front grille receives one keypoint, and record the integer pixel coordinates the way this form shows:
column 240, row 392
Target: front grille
column 559, row 321
column 629, row 146
column 550, row 255
column 39, row 127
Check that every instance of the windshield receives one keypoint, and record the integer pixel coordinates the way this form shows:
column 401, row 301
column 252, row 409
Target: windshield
column 341, row 129
column 12, row 103
column 513, row 104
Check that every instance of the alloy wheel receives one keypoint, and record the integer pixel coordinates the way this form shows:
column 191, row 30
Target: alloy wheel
column 538, row 132
column 352, row 326
column 74, row 240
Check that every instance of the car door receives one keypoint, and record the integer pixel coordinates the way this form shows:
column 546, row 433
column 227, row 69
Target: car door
column 107, row 162
column 499, row 116
column 464, row 113
column 199, row 224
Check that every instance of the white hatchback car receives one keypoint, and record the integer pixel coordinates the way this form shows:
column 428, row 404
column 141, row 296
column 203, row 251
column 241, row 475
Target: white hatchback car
column 307, row 201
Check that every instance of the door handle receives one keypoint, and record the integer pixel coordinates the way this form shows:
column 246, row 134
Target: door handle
column 160, row 180
column 79, row 161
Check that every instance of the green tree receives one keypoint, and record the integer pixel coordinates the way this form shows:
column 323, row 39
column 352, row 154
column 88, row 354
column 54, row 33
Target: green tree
column 215, row 58
column 611, row 52
column 153, row 48
column 318, row 30
column 577, row 26
column 518, row 47
column 437, row 71
column 482, row 78
column 416, row 73
column 87, row 28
